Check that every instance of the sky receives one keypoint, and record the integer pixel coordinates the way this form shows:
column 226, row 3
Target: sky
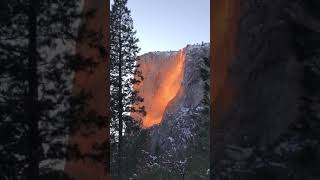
column 164, row 25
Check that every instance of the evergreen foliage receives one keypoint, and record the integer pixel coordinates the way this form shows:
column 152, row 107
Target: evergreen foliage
column 37, row 64
column 126, row 132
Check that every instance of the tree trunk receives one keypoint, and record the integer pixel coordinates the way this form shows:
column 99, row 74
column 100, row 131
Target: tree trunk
column 32, row 96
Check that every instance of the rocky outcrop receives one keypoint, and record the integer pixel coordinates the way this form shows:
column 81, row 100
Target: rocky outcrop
column 174, row 130
column 163, row 73
column 177, row 126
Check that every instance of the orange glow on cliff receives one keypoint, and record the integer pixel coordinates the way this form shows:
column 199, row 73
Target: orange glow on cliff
column 162, row 81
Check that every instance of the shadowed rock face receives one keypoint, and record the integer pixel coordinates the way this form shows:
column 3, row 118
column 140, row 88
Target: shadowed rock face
column 224, row 47
column 257, row 92
column 262, row 77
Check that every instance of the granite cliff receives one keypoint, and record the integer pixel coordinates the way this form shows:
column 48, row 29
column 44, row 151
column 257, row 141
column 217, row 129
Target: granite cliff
column 172, row 90
column 264, row 76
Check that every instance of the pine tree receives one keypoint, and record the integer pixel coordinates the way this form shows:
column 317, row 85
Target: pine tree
column 124, row 75
column 36, row 104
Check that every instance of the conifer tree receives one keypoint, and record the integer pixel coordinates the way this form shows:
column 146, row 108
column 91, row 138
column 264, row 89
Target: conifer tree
column 124, row 75
column 36, row 104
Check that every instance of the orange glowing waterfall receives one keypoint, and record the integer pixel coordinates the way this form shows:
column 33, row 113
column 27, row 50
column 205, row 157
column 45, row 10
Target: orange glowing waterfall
column 163, row 75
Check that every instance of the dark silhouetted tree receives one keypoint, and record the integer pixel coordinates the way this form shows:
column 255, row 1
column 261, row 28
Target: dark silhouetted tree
column 123, row 76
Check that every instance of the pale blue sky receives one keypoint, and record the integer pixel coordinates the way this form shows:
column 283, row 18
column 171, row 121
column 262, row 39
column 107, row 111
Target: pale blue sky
column 164, row 25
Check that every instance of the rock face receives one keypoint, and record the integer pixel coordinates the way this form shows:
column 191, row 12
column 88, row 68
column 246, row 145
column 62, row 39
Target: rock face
column 257, row 92
column 163, row 73
column 263, row 78
column 176, row 73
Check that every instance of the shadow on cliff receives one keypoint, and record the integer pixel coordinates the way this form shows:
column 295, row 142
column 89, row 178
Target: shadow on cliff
column 271, row 128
